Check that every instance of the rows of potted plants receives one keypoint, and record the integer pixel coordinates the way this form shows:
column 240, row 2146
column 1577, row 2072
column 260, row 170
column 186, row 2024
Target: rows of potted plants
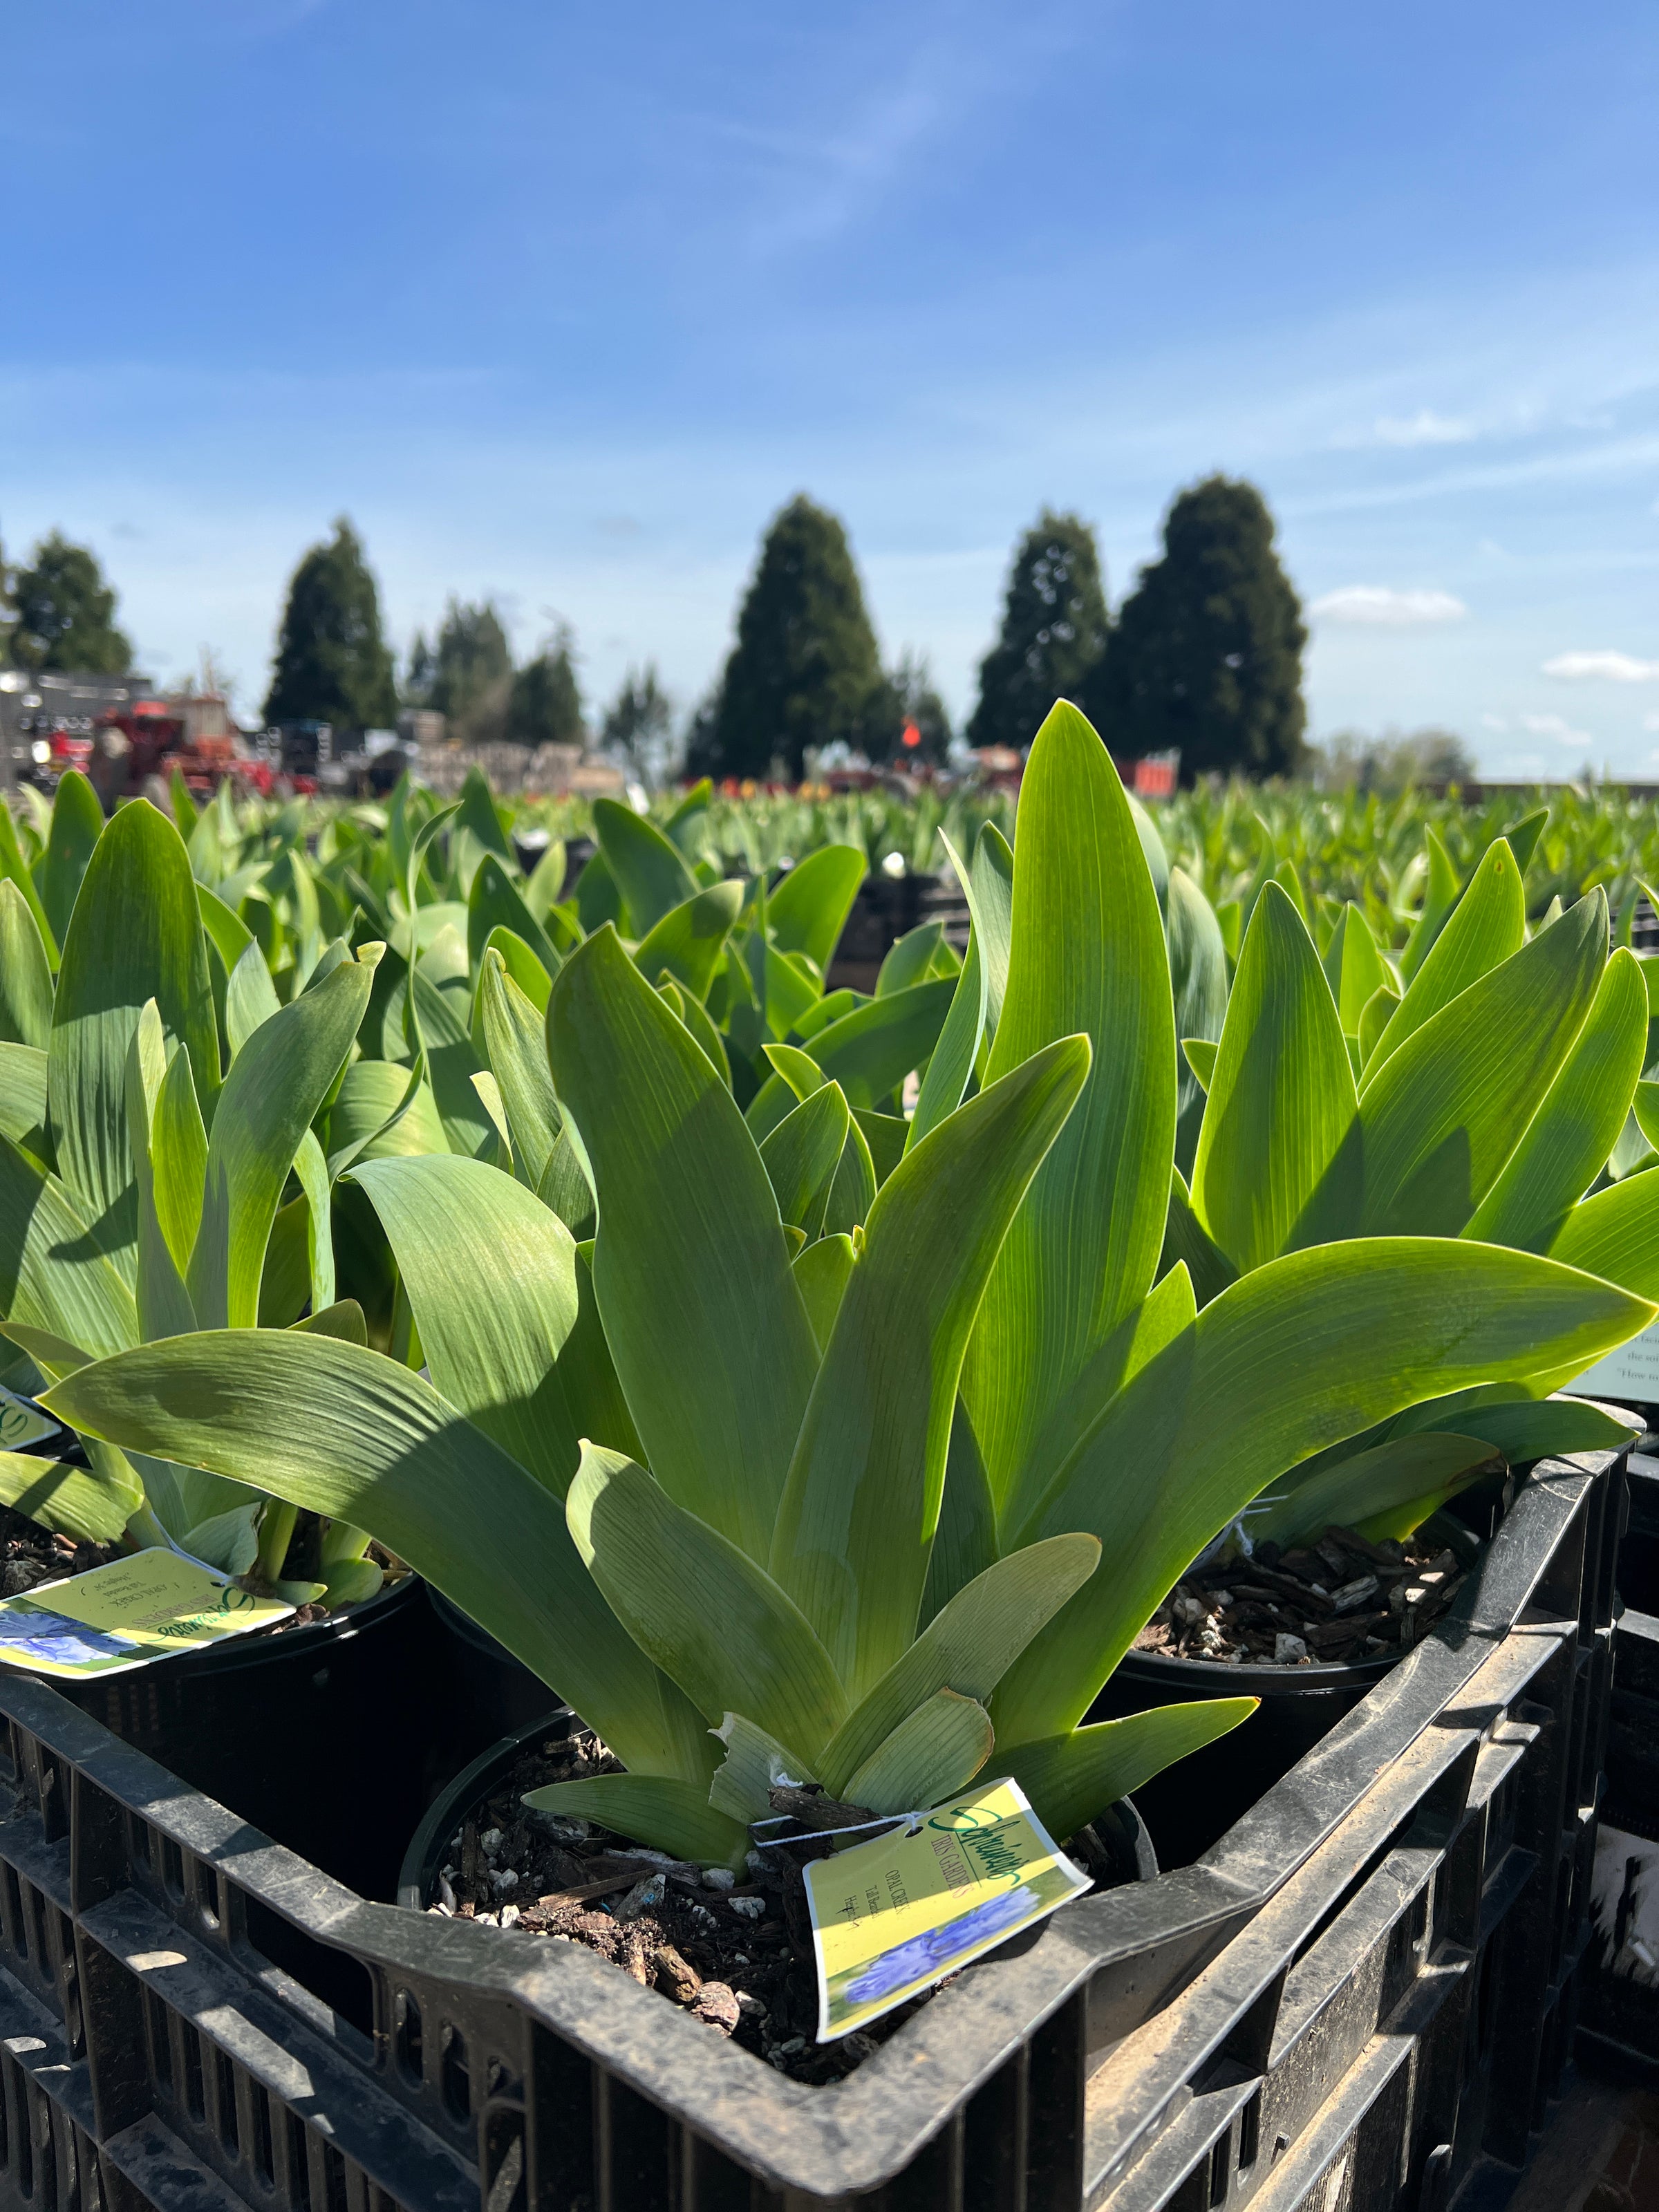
column 824, row 1449
column 835, row 1399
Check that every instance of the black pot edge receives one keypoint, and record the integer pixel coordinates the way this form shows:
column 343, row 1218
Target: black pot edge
column 238, row 1654
column 1210, row 1678
column 457, row 1798
column 416, row 1876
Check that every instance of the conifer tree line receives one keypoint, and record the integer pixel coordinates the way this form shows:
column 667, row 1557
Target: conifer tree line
column 1203, row 657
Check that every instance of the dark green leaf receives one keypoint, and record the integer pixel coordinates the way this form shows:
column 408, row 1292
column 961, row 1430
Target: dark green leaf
column 494, row 902
column 492, row 1276
column 802, row 1153
column 689, row 940
column 77, row 823
column 808, row 909
column 137, row 934
column 648, row 869
column 1070, row 1779
column 711, row 1618
column 350, row 1434
column 25, row 990
column 1281, row 1096
column 708, row 1332
column 858, row 1515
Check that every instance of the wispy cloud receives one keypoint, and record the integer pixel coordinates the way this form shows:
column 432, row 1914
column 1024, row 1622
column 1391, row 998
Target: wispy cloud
column 1608, row 667
column 1425, row 428
column 1556, row 727
column 1651, row 722
column 821, row 184
column 1381, row 608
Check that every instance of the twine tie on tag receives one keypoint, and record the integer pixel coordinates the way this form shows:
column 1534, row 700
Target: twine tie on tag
column 910, row 1821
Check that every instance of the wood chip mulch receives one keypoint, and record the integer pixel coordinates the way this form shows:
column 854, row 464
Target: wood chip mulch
column 1342, row 1599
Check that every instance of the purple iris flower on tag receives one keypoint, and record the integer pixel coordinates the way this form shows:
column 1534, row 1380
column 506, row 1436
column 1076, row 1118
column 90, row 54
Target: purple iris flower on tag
column 928, row 1956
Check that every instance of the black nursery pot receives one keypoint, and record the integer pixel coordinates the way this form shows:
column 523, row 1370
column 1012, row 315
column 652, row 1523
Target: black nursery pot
column 1192, row 1804
column 1120, row 1828
column 316, row 1737
column 482, row 1693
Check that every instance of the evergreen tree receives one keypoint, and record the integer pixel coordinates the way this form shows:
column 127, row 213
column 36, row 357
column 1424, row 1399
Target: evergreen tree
column 332, row 664
column 639, row 725
column 422, row 667
column 701, row 753
column 471, row 670
column 545, row 706
column 804, row 672
column 1207, row 655
column 64, row 613
column 1054, row 630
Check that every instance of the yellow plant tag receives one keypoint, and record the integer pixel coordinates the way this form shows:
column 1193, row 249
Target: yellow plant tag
column 125, row 1614
column 23, row 1424
column 892, row 1916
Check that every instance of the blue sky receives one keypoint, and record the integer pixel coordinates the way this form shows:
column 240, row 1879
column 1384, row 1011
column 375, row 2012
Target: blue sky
column 561, row 304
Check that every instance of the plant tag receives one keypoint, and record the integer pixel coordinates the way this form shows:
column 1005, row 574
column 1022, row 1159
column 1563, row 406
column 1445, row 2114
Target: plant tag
column 23, row 1424
column 893, row 1916
column 135, row 1610
column 1629, row 1371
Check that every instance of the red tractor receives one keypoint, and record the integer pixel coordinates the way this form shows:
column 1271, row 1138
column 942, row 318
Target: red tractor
column 151, row 738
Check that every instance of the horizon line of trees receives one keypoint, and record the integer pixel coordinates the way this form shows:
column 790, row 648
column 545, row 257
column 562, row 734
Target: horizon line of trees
column 1202, row 656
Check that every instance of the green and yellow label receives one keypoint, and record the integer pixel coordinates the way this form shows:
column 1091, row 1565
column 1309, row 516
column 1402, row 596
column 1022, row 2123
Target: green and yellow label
column 127, row 1614
column 892, row 1918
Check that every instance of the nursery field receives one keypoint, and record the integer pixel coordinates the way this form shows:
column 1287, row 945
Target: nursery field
column 1130, row 1321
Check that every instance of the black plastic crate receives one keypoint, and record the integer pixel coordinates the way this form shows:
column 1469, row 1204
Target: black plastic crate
column 887, row 908
column 1374, row 1971
column 1621, row 2035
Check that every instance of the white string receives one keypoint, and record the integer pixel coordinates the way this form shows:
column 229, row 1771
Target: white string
column 911, row 1820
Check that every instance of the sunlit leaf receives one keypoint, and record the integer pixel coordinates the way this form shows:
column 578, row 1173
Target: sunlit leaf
column 350, row 1434
column 858, row 1517
column 1088, row 957
column 709, row 1334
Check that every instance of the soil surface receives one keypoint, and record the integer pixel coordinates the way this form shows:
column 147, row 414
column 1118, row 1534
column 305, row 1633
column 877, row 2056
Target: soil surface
column 30, row 1554
column 733, row 1951
column 1342, row 1599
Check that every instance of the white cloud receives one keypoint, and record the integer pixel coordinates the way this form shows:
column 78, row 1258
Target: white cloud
column 1556, row 727
column 1425, row 428
column 1493, row 722
column 1615, row 667
column 1650, row 721
column 1381, row 608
